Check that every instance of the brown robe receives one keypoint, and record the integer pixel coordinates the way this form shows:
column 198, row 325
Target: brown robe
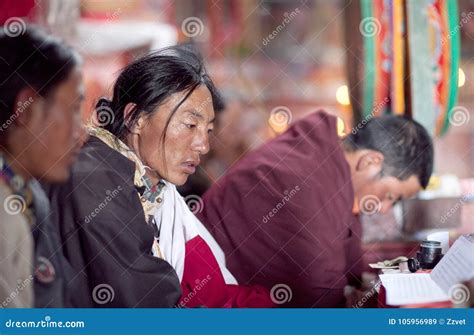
column 283, row 215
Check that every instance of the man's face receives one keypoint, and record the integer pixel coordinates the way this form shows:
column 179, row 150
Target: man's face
column 384, row 192
column 48, row 139
column 187, row 135
column 376, row 191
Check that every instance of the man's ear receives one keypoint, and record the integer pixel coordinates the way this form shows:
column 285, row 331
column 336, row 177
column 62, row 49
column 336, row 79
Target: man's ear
column 370, row 162
column 28, row 108
column 127, row 113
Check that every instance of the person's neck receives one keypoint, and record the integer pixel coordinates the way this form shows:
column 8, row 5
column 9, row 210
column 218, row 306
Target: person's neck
column 154, row 177
column 352, row 158
column 132, row 142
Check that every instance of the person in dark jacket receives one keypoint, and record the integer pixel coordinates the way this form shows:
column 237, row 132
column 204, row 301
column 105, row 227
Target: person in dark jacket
column 126, row 232
column 40, row 135
column 105, row 237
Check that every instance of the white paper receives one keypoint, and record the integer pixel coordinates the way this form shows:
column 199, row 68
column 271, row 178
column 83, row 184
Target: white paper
column 457, row 265
column 417, row 288
column 411, row 288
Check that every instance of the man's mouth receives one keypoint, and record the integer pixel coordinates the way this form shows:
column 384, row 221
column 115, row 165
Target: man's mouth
column 189, row 167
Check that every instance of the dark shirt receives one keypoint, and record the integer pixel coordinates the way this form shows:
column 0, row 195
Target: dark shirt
column 51, row 271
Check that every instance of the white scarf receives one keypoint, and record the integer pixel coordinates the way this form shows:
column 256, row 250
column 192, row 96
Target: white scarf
column 177, row 226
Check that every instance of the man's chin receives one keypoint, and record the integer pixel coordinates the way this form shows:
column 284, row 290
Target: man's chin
column 56, row 176
column 179, row 180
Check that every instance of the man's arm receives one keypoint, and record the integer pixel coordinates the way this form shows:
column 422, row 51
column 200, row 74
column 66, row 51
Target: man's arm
column 107, row 240
column 16, row 249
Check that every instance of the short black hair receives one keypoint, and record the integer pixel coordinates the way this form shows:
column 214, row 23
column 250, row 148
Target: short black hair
column 406, row 145
column 31, row 59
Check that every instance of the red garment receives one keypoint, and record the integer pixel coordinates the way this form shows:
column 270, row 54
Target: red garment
column 283, row 215
column 203, row 284
column 16, row 8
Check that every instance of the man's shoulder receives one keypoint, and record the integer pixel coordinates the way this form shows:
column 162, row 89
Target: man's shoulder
column 99, row 156
column 100, row 167
column 14, row 226
column 309, row 146
column 99, row 173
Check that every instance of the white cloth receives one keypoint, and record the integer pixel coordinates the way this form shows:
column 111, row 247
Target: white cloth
column 177, row 226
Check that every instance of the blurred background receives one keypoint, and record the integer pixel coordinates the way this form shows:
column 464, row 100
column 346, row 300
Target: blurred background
column 275, row 61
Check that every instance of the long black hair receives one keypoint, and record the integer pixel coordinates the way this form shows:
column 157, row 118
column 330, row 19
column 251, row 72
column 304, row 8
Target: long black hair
column 148, row 82
column 31, row 59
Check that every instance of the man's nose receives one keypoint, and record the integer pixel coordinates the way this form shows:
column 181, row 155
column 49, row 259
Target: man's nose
column 201, row 143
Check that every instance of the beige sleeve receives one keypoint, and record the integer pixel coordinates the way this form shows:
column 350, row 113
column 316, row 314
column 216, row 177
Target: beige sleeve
column 16, row 259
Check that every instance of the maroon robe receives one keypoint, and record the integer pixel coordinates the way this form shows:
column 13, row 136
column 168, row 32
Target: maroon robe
column 283, row 215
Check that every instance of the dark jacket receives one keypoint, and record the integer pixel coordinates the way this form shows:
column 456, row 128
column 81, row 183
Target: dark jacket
column 51, row 270
column 105, row 237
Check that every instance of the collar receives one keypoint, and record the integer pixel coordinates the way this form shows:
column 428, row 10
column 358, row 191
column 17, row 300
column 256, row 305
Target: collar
column 21, row 199
column 150, row 194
